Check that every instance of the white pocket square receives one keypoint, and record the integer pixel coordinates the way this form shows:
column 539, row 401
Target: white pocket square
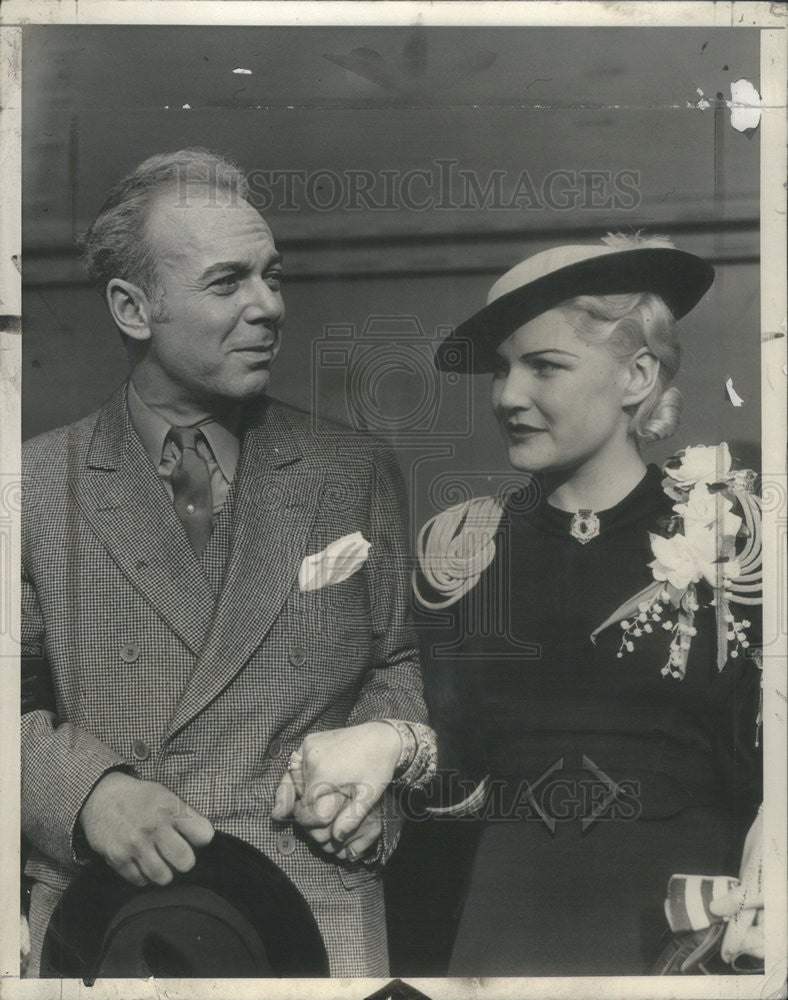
column 335, row 563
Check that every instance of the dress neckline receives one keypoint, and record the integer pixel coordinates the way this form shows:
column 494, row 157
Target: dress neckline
column 644, row 499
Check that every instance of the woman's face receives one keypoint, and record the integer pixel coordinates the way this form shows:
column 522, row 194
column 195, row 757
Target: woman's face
column 559, row 399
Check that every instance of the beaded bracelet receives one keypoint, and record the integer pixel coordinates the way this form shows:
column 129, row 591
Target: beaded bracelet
column 425, row 763
column 407, row 745
column 418, row 759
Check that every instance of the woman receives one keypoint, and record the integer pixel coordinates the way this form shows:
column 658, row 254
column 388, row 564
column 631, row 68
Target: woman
column 590, row 639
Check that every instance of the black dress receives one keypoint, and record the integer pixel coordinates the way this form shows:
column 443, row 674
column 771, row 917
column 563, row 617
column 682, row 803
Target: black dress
column 607, row 776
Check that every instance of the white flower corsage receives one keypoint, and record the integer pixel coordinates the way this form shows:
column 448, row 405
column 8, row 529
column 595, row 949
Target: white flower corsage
column 711, row 552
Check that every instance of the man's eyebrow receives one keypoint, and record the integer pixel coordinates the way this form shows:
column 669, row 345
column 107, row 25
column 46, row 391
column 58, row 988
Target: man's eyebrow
column 224, row 266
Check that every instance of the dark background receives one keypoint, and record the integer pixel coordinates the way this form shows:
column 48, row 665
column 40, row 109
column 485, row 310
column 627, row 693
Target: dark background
column 98, row 100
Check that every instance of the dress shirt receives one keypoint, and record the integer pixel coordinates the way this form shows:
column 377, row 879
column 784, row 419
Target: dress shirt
column 219, row 447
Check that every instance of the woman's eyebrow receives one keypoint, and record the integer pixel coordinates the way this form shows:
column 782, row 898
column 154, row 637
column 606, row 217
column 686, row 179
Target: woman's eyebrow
column 548, row 350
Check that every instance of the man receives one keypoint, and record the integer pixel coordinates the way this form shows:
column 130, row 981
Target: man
column 192, row 643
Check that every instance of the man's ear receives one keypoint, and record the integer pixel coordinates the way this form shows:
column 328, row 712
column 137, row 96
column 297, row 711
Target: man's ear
column 130, row 309
column 643, row 372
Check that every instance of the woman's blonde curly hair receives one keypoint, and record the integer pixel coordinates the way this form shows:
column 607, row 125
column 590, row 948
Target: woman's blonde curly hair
column 629, row 322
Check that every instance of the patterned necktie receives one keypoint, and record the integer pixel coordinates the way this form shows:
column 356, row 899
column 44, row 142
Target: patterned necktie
column 191, row 488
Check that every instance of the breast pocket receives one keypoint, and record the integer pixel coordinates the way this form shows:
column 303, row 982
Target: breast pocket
column 348, row 599
column 332, row 639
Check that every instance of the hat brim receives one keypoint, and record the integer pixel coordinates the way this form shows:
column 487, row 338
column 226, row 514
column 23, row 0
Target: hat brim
column 232, row 869
column 681, row 279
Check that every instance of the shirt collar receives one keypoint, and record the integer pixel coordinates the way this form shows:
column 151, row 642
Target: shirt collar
column 153, row 429
column 224, row 445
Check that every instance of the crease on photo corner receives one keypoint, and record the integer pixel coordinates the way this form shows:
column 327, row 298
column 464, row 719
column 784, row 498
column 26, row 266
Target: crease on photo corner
column 775, row 985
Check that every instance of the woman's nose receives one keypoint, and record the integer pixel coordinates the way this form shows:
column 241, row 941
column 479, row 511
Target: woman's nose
column 513, row 393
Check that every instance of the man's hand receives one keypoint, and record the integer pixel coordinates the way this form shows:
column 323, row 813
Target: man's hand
column 142, row 829
column 743, row 906
column 341, row 777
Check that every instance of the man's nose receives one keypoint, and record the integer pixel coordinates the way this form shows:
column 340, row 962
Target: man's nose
column 264, row 305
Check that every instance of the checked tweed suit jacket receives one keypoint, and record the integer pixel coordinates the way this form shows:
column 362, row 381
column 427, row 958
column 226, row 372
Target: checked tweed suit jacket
column 208, row 689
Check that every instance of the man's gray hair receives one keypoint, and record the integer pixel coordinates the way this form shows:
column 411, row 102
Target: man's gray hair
column 117, row 244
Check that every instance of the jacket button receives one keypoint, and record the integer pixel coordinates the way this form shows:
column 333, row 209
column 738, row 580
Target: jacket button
column 275, row 747
column 285, row 843
column 297, row 656
column 130, row 653
column 140, row 749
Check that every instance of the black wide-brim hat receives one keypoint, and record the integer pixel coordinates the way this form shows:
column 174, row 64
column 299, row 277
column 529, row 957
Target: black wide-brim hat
column 235, row 914
column 549, row 278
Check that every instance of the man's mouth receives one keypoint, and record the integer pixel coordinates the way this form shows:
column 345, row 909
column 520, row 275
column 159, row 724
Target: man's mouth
column 261, row 352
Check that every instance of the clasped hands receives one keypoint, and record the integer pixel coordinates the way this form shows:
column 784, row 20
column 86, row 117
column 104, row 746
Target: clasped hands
column 147, row 833
column 333, row 785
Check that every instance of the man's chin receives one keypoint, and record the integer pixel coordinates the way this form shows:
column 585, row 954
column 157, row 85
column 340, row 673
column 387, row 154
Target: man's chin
column 243, row 391
column 253, row 393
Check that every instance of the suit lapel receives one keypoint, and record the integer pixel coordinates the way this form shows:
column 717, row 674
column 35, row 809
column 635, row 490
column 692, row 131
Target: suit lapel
column 277, row 497
column 121, row 497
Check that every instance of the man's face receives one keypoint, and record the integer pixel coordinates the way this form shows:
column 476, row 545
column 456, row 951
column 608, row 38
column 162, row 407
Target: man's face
column 222, row 309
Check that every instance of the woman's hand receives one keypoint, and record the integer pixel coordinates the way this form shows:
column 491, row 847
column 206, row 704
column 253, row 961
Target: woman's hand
column 334, row 782
column 364, row 839
column 743, row 906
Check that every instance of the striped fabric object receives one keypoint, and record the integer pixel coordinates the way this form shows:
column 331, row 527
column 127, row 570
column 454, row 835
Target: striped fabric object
column 205, row 675
column 687, row 902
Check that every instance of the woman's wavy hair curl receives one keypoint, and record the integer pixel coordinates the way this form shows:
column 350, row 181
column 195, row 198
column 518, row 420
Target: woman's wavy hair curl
column 626, row 323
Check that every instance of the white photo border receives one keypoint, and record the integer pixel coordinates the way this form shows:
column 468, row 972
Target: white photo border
column 772, row 20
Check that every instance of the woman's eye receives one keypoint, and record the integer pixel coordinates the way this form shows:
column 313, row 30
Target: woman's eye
column 543, row 367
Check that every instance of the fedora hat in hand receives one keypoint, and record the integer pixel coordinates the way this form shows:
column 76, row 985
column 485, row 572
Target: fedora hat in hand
column 549, row 278
column 235, row 914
